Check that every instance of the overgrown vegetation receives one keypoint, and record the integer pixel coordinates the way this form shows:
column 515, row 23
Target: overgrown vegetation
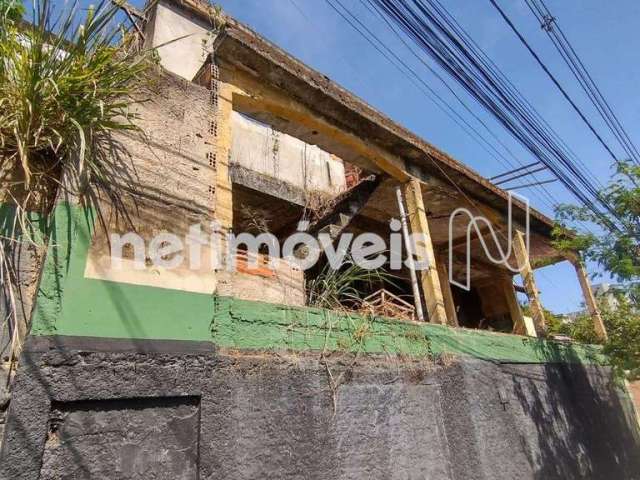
column 343, row 290
column 623, row 328
column 623, row 346
column 317, row 205
column 579, row 328
column 617, row 251
column 67, row 82
column 337, row 289
column 13, row 9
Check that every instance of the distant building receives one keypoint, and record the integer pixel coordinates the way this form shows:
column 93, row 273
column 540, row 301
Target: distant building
column 608, row 294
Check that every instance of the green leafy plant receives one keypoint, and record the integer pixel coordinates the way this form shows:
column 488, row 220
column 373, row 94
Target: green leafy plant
column 623, row 328
column 555, row 323
column 580, row 329
column 66, row 84
column 68, row 81
column 13, row 9
column 339, row 288
column 622, row 322
column 617, row 251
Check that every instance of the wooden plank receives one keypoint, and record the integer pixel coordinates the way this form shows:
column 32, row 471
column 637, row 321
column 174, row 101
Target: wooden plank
column 526, row 272
column 589, row 299
column 431, row 287
column 447, row 295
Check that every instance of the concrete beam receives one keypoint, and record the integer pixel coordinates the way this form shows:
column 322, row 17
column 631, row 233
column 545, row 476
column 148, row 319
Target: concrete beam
column 255, row 96
column 223, row 187
column 264, row 183
column 430, row 281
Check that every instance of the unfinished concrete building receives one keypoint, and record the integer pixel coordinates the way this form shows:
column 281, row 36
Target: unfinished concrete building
column 287, row 135
column 192, row 372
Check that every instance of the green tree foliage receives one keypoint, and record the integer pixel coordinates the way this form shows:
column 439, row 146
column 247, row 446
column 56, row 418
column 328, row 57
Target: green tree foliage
column 623, row 328
column 579, row 329
column 616, row 250
column 555, row 324
column 12, row 9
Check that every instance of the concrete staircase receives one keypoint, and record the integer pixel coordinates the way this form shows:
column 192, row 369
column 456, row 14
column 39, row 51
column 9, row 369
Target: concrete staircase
column 345, row 210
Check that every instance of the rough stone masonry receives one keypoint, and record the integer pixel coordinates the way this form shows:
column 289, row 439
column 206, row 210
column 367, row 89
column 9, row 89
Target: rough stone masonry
column 171, row 414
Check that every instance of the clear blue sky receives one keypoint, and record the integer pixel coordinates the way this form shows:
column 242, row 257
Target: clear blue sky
column 605, row 35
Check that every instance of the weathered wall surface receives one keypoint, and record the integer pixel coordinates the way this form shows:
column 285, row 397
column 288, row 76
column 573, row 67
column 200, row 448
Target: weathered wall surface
column 105, row 439
column 271, row 416
column 261, row 149
column 634, row 392
column 167, row 181
column 183, row 38
column 272, row 280
column 165, row 184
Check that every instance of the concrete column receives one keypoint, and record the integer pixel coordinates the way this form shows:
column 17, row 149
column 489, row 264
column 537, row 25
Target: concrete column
column 522, row 257
column 424, row 251
column 589, row 299
column 447, row 294
column 519, row 325
column 223, row 187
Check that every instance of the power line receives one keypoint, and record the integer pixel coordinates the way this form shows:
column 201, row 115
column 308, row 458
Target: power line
column 578, row 69
column 406, row 70
column 524, row 167
column 553, row 78
column 357, row 73
column 547, row 197
column 436, row 164
column 489, row 62
column 428, row 24
column 526, row 185
column 512, row 88
column 520, row 175
column 412, row 76
column 442, row 81
column 542, row 193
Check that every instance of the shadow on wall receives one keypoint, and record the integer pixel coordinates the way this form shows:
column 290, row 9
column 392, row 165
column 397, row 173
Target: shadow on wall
column 584, row 428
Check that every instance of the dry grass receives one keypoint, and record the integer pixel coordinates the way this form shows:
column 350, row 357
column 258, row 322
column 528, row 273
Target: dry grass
column 318, row 205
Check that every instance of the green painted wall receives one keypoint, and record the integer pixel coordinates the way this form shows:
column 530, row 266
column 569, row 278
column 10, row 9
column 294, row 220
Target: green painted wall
column 71, row 305
column 32, row 227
